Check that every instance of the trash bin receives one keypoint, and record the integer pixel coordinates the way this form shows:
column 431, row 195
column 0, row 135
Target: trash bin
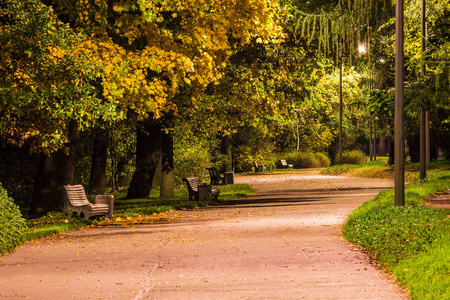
column 229, row 177
column 204, row 192
column 106, row 199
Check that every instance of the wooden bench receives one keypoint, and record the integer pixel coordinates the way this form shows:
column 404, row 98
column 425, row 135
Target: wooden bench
column 215, row 176
column 193, row 184
column 75, row 201
column 282, row 164
column 259, row 167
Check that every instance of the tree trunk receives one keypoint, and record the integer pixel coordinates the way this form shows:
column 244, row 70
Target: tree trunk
column 434, row 153
column 414, row 149
column 97, row 181
column 226, row 149
column 53, row 171
column 71, row 159
column 49, row 177
column 148, row 150
column 371, row 147
column 167, row 176
column 382, row 149
column 157, row 177
column 391, row 153
column 123, row 177
column 332, row 151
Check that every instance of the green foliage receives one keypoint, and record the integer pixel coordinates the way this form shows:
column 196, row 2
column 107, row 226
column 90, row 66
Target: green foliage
column 410, row 240
column 323, row 159
column 42, row 87
column 191, row 160
column 307, row 160
column 194, row 152
column 12, row 225
column 245, row 158
column 304, row 160
column 339, row 169
column 323, row 22
column 252, row 144
column 353, row 157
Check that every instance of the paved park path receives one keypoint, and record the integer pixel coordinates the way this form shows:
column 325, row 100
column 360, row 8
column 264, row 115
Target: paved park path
column 284, row 242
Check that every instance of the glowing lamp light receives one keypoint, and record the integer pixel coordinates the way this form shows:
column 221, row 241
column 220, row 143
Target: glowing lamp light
column 362, row 48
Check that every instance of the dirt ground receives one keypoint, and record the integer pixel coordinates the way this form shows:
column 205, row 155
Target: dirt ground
column 440, row 200
column 283, row 242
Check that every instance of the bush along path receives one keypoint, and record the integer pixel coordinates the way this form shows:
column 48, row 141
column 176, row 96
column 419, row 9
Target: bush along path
column 413, row 241
column 12, row 225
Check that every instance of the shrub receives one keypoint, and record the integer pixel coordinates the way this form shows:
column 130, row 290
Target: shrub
column 245, row 158
column 353, row 157
column 304, row 160
column 12, row 224
column 194, row 153
column 307, row 160
column 323, row 159
column 191, row 161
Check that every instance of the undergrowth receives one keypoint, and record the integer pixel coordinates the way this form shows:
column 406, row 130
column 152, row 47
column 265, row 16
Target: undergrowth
column 12, row 225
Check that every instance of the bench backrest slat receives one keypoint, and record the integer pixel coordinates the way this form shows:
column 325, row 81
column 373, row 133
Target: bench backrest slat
column 75, row 195
column 193, row 183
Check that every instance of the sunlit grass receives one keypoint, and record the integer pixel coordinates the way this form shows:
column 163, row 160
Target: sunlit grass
column 381, row 169
column 127, row 209
column 411, row 241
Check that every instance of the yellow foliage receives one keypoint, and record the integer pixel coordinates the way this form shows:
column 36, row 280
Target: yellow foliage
column 147, row 77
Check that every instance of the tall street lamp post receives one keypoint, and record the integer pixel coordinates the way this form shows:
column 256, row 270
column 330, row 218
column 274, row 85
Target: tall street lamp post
column 399, row 138
column 424, row 117
column 340, row 104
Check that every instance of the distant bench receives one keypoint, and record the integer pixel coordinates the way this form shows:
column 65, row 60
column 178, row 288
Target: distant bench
column 215, row 176
column 282, row 164
column 193, row 184
column 75, row 201
column 259, row 167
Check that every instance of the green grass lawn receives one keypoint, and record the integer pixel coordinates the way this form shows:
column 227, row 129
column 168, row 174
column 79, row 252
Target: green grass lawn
column 130, row 210
column 413, row 241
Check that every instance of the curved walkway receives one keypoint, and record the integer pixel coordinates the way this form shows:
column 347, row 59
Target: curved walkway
column 281, row 243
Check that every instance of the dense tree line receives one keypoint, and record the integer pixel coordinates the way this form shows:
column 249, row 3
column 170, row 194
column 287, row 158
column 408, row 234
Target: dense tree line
column 139, row 93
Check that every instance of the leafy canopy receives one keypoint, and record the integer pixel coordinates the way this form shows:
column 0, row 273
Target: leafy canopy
column 43, row 81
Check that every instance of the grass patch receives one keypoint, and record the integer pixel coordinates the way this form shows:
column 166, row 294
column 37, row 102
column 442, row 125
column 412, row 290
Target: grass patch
column 373, row 169
column 129, row 209
column 411, row 241
column 53, row 223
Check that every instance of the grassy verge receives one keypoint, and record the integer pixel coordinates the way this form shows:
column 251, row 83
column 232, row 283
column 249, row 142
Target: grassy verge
column 130, row 210
column 372, row 169
column 412, row 241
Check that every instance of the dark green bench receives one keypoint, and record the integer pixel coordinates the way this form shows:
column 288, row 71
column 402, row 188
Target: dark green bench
column 193, row 184
column 215, row 176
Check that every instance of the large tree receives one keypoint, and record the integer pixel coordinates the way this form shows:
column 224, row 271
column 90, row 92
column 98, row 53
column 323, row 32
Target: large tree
column 144, row 53
column 45, row 95
column 43, row 83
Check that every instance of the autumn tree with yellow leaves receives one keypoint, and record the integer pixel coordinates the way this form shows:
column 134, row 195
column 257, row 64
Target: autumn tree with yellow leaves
column 153, row 51
column 124, row 59
column 44, row 92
